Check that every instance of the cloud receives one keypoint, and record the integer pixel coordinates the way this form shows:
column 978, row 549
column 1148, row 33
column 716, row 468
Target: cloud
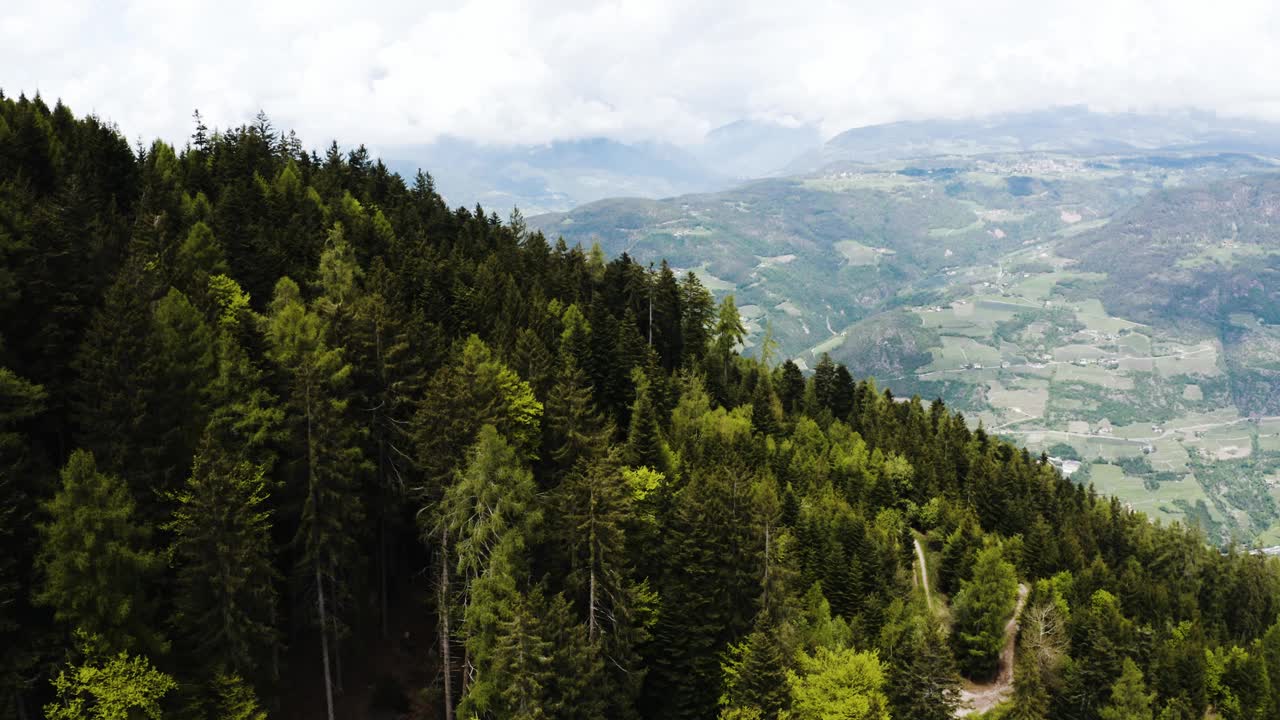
column 531, row 71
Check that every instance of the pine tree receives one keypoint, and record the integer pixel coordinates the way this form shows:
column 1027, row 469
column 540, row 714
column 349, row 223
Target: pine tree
column 19, row 402
column 235, row 699
column 982, row 607
column 490, row 514
column 711, row 581
column 697, row 309
column 765, row 409
column 1030, row 696
column 222, row 540
column 594, row 505
column 666, row 326
column 95, row 560
column 791, row 386
column 755, row 674
column 477, row 389
column 922, row 680
column 645, row 445
column 573, row 430
column 1129, row 697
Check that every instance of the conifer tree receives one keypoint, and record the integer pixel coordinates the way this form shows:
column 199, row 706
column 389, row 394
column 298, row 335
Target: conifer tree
column 1129, row 697
column 755, row 674
column 222, row 538
column 666, row 325
column 95, row 560
column 235, row 699
column 982, row 607
column 697, row 309
column 645, row 445
column 922, row 680
column 573, row 430
column 791, row 386
column 329, row 458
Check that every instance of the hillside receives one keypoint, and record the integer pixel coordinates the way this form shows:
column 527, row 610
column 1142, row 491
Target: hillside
column 289, row 437
column 1116, row 308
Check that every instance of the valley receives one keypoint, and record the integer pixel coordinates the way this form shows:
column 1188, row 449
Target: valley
column 1111, row 311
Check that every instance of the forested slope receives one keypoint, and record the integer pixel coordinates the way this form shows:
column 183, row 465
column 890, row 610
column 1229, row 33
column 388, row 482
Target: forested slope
column 263, row 410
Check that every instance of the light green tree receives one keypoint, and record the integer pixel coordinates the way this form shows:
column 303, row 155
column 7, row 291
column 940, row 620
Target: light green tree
column 107, row 687
column 837, row 684
column 94, row 559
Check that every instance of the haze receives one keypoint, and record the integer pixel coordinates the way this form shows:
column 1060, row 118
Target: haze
column 510, row 72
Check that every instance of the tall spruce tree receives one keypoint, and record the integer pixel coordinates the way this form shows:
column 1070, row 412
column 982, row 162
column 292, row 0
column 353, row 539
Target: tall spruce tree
column 222, row 537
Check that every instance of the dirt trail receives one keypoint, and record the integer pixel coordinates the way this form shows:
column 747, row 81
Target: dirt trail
column 924, row 575
column 975, row 698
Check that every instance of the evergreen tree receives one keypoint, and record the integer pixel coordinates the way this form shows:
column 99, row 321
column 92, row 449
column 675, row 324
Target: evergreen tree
column 922, row 681
column 574, row 430
column 697, row 310
column 645, row 445
column 328, row 459
column 95, row 560
column 1129, row 697
column 791, row 386
column 755, row 675
column 222, row 537
column 235, row 699
column 983, row 606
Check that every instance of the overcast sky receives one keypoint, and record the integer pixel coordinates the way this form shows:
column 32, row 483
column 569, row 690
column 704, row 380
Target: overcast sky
column 522, row 71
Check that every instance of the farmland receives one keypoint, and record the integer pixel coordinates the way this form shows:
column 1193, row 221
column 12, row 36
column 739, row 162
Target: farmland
column 1063, row 302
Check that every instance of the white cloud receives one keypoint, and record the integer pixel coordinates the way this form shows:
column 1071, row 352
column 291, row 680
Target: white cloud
column 534, row 71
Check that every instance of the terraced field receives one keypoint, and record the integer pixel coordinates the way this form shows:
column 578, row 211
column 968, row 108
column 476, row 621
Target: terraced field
column 1109, row 311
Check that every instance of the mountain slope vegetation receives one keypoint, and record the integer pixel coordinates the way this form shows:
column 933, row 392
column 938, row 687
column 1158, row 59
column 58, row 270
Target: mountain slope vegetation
column 284, row 435
column 1113, row 309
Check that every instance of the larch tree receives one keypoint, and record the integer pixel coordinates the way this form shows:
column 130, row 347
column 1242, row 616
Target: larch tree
column 330, row 457
column 95, row 561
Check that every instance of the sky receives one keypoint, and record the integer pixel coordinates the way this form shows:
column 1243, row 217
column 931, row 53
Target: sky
column 525, row 71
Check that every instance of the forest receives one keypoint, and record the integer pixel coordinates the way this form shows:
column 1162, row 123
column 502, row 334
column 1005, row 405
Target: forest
column 284, row 435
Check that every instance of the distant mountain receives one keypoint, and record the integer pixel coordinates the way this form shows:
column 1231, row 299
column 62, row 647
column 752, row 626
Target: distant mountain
column 562, row 175
column 1071, row 129
column 752, row 149
column 557, row 176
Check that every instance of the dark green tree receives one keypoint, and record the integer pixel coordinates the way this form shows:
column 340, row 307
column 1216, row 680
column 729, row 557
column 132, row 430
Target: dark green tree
column 983, row 606
column 221, row 529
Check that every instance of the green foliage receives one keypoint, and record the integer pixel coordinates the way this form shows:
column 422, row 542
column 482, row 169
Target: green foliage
column 755, row 680
column 1129, row 697
column 645, row 444
column 221, row 538
column 838, row 683
column 108, row 687
column 95, row 560
column 490, row 508
column 983, row 606
column 236, row 699
column 406, row 366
